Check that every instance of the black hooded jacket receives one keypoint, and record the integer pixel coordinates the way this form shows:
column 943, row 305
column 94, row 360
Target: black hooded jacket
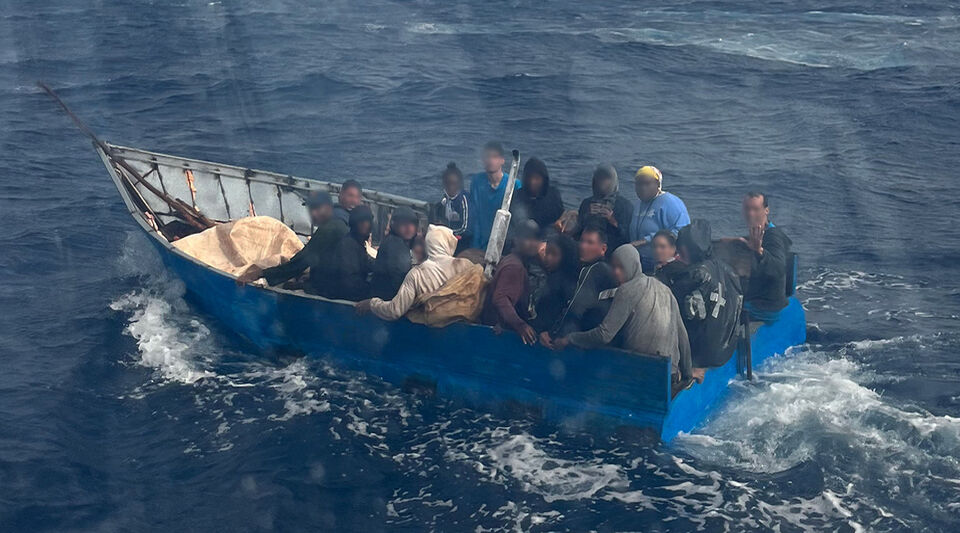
column 622, row 210
column 393, row 258
column 585, row 310
column 312, row 256
column 349, row 266
column 544, row 208
column 766, row 288
column 712, row 330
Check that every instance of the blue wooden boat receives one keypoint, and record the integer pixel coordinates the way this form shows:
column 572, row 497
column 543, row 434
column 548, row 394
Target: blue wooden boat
column 465, row 362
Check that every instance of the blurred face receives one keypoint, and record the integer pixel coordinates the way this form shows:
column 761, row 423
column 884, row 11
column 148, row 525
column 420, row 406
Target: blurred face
column 364, row 228
column 528, row 248
column 552, row 256
column 419, row 252
column 618, row 272
column 591, row 247
column 535, row 184
column 350, row 197
column 663, row 251
column 492, row 161
column 647, row 188
column 753, row 211
column 406, row 230
column 321, row 214
column 605, row 185
column 452, row 184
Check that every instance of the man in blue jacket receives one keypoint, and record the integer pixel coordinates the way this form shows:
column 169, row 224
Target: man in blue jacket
column 486, row 193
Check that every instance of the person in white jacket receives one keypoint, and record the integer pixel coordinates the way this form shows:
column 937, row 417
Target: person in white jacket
column 424, row 278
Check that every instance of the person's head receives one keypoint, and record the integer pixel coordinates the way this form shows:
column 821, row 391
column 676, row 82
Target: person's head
column 351, row 194
column 418, row 249
column 625, row 263
column 648, row 182
column 361, row 221
column 493, row 157
column 404, row 223
column 756, row 210
column 605, row 181
column 664, row 246
column 452, row 179
column 695, row 241
column 440, row 242
column 526, row 239
column 560, row 254
column 320, row 207
column 536, row 179
column 593, row 244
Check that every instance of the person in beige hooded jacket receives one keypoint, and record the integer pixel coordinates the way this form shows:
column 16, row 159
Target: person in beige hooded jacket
column 424, row 278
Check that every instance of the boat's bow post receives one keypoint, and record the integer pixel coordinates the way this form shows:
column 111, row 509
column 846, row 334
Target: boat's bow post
column 501, row 222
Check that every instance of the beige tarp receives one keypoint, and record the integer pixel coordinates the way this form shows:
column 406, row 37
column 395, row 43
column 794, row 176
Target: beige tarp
column 460, row 298
column 236, row 246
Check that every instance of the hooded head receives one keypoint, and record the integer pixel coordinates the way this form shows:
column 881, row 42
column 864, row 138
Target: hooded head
column 441, row 242
column 403, row 223
column 626, row 263
column 695, row 241
column 532, row 168
column 606, row 184
column 361, row 221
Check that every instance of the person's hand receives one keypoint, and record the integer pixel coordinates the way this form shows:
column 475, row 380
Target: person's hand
column 607, row 213
column 546, row 340
column 755, row 242
column 363, row 307
column 528, row 334
column 251, row 275
column 561, row 343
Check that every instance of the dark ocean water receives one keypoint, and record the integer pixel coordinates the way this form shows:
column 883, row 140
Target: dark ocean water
column 122, row 409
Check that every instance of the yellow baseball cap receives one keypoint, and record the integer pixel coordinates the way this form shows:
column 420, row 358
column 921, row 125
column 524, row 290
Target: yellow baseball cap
column 649, row 171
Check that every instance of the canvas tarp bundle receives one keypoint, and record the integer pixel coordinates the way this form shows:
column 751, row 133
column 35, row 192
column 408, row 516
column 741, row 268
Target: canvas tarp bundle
column 460, row 298
column 236, row 246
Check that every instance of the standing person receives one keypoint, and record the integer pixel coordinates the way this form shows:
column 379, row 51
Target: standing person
column 350, row 263
column 328, row 232
column 644, row 314
column 585, row 310
column 562, row 264
column 439, row 267
column 654, row 210
column 606, row 209
column 668, row 263
column 486, row 193
column 537, row 200
column 394, row 256
column 453, row 210
column 351, row 195
column 765, row 294
column 508, row 295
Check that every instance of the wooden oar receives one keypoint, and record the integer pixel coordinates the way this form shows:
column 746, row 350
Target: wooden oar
column 188, row 213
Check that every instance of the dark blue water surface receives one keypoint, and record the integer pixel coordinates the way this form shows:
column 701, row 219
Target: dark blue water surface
column 123, row 409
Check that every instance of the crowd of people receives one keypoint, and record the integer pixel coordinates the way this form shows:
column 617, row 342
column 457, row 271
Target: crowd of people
column 638, row 275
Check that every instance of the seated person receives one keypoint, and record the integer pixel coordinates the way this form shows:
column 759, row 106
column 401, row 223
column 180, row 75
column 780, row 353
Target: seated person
column 351, row 195
column 508, row 294
column 329, row 231
column 643, row 317
column 453, row 210
column 766, row 291
column 607, row 209
column 585, row 310
column 349, row 265
column 654, row 210
column 561, row 262
column 709, row 295
column 664, row 246
column 536, row 200
column 424, row 278
column 394, row 257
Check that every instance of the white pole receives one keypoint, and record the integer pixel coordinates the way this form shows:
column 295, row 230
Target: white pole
column 501, row 222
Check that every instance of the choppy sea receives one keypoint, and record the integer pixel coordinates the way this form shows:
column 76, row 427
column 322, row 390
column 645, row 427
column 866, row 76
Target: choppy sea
column 124, row 409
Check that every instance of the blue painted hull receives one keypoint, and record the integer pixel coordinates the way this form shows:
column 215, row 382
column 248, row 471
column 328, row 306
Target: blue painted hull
column 470, row 363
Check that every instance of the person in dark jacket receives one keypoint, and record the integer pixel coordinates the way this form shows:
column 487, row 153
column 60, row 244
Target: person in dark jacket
column 765, row 294
column 328, row 232
column 536, row 200
column 508, row 294
column 606, row 209
column 561, row 262
column 351, row 195
column 667, row 263
column 453, row 210
column 394, row 257
column 586, row 309
column 709, row 294
column 349, row 266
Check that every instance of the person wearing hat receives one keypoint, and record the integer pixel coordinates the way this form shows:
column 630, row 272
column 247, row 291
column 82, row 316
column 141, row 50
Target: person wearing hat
column 347, row 269
column 654, row 210
column 325, row 237
column 394, row 257
column 508, row 295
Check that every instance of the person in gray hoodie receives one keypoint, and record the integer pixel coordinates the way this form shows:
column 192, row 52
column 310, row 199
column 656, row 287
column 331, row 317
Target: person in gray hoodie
column 644, row 317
